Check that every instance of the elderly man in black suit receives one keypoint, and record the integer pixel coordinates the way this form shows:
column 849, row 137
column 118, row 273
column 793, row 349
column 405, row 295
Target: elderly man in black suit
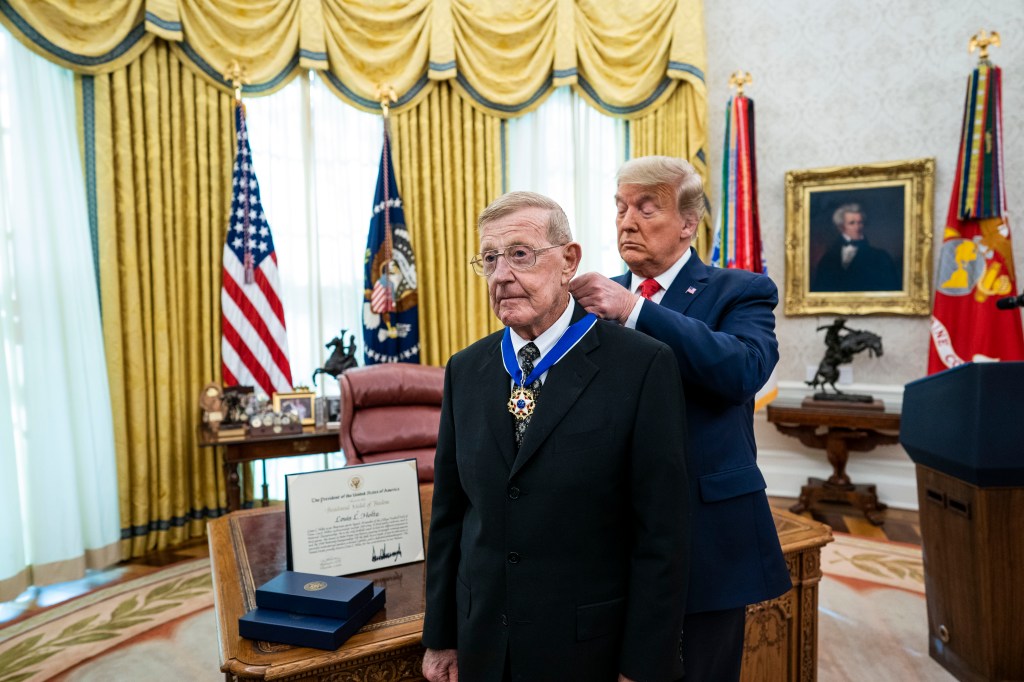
column 558, row 545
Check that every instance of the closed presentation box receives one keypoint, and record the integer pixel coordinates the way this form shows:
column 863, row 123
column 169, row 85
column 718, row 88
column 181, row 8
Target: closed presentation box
column 314, row 595
column 299, row 629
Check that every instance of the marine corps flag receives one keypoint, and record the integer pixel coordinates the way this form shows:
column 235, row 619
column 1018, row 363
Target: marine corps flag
column 737, row 238
column 975, row 266
column 390, row 326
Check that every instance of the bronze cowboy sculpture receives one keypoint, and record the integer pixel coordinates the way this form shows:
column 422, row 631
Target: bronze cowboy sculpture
column 841, row 344
column 342, row 358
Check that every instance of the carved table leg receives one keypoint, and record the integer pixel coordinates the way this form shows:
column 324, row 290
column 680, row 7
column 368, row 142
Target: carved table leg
column 838, row 455
column 234, row 490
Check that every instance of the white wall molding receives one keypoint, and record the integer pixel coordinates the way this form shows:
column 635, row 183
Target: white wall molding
column 787, row 464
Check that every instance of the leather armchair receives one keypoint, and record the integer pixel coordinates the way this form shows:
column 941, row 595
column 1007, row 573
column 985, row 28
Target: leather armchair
column 391, row 411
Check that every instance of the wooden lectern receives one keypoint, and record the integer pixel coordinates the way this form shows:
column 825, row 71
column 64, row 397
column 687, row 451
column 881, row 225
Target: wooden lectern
column 964, row 429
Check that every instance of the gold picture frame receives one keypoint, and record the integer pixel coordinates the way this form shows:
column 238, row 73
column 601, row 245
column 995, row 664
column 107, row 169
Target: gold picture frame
column 890, row 272
column 301, row 402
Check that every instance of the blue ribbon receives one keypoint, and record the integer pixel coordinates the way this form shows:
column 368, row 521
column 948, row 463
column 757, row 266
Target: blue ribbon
column 565, row 343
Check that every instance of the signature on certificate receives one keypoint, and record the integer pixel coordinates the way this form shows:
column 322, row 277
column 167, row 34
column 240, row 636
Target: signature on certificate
column 384, row 553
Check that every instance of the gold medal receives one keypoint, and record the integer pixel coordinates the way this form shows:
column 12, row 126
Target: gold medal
column 521, row 403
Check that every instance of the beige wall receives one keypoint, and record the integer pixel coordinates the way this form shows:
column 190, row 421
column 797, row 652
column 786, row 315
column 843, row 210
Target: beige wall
column 842, row 83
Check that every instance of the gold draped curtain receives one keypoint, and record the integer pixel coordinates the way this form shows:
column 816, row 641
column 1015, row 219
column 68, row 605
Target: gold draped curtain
column 626, row 57
column 163, row 147
column 158, row 137
column 448, row 160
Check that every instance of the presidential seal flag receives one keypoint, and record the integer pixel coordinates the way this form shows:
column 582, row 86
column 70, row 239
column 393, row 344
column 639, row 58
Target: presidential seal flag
column 254, row 344
column 975, row 267
column 390, row 325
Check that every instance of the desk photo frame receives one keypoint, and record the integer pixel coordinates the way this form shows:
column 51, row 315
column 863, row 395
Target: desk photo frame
column 300, row 402
column 894, row 202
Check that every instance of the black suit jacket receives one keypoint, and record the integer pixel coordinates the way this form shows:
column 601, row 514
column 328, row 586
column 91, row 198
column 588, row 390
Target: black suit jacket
column 571, row 556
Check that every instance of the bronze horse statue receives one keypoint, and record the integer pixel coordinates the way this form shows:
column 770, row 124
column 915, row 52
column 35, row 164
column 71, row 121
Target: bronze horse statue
column 342, row 358
column 840, row 349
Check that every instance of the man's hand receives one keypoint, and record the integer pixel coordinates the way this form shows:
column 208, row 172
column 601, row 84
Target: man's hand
column 603, row 297
column 623, row 678
column 441, row 665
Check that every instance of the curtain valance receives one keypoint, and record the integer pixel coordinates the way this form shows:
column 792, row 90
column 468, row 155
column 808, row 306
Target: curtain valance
column 626, row 57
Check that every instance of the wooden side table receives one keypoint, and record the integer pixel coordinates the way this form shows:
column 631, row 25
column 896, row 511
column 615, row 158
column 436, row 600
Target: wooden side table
column 838, row 428
column 237, row 450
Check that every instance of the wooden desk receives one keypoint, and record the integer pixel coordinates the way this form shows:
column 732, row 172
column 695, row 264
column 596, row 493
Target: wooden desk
column 781, row 636
column 248, row 548
column 311, row 441
column 837, row 429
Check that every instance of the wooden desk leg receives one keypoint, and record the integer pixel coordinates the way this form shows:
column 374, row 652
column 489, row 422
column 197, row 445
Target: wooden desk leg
column 234, row 491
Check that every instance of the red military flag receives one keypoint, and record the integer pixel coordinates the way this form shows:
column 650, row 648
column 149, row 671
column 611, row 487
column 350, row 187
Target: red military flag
column 254, row 343
column 737, row 238
column 975, row 267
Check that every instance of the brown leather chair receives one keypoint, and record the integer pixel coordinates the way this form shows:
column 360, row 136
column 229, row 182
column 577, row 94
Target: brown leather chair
column 391, row 411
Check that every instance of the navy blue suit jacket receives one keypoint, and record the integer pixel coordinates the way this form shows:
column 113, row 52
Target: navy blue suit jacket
column 720, row 325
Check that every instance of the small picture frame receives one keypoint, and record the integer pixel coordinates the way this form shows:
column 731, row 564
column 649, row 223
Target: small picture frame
column 299, row 402
column 333, row 403
column 859, row 239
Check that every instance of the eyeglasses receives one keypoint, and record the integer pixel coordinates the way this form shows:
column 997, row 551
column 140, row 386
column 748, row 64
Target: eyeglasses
column 518, row 257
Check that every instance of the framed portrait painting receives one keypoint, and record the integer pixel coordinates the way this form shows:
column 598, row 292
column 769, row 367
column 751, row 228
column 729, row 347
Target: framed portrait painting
column 859, row 239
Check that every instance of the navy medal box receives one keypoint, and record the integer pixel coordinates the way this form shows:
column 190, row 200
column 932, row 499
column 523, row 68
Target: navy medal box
column 314, row 595
column 299, row 629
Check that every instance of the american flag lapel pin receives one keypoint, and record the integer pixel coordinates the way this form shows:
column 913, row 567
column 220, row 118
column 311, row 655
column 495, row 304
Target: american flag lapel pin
column 691, row 290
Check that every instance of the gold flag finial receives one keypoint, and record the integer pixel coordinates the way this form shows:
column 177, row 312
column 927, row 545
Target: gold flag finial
column 386, row 95
column 738, row 79
column 236, row 76
column 981, row 41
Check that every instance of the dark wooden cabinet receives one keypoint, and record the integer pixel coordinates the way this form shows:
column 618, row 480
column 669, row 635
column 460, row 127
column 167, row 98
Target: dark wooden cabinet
column 965, row 432
column 974, row 576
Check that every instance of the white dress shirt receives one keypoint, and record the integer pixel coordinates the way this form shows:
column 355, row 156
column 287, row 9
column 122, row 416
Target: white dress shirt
column 546, row 341
column 665, row 280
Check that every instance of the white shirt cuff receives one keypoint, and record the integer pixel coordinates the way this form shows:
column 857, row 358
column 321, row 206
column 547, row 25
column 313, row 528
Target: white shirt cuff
column 634, row 315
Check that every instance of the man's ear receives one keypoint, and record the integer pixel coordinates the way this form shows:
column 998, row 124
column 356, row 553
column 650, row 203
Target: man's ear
column 690, row 225
column 571, row 255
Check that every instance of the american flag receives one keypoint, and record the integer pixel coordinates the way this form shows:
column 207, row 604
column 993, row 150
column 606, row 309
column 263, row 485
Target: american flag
column 382, row 298
column 254, row 344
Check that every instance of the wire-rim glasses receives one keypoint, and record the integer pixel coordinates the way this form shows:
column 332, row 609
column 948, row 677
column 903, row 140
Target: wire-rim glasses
column 518, row 257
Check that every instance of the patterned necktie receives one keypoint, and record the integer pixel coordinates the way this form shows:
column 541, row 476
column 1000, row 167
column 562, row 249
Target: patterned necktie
column 649, row 287
column 528, row 354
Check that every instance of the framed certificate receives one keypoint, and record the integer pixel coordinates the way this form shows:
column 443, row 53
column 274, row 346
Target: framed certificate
column 354, row 519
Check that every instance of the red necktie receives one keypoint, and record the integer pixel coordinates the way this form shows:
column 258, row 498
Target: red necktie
column 649, row 287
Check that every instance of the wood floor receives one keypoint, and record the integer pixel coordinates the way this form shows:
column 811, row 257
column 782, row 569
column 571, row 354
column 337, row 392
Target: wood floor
column 899, row 526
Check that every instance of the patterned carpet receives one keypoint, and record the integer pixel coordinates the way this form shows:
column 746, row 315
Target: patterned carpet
column 872, row 624
column 160, row 626
column 872, row 615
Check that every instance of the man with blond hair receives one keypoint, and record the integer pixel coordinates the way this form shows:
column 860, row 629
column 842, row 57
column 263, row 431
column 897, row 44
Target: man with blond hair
column 558, row 549
column 721, row 327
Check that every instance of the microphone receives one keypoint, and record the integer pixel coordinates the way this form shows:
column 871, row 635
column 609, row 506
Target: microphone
column 1010, row 302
